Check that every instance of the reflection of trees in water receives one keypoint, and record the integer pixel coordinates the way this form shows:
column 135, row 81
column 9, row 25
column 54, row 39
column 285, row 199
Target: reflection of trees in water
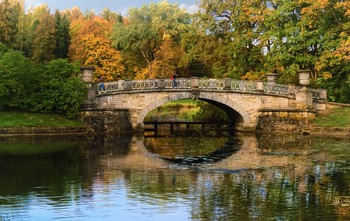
column 264, row 194
column 50, row 162
column 254, row 194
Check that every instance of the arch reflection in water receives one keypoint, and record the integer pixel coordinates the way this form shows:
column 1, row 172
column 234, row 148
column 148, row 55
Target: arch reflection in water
column 194, row 150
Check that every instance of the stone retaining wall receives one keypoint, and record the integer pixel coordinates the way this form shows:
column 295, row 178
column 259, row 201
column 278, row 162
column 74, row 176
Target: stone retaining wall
column 43, row 130
column 284, row 121
column 107, row 120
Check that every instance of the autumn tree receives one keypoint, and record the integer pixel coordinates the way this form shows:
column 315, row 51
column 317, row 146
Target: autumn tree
column 145, row 32
column 9, row 15
column 44, row 39
column 90, row 45
column 23, row 27
column 333, row 64
column 97, row 51
column 166, row 59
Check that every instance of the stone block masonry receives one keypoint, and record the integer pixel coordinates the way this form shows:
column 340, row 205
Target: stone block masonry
column 106, row 120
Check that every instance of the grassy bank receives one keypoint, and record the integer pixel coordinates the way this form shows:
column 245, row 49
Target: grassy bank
column 23, row 119
column 339, row 117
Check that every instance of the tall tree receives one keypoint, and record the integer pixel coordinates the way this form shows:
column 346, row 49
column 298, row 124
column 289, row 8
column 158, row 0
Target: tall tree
column 110, row 16
column 90, row 45
column 23, row 27
column 44, row 40
column 9, row 14
column 147, row 28
column 99, row 53
column 237, row 26
column 80, row 28
column 62, row 35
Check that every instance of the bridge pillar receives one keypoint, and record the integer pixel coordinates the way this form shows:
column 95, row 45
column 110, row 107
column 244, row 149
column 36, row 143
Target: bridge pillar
column 304, row 96
column 291, row 89
column 260, row 86
column 87, row 77
column 227, row 83
column 271, row 78
column 304, row 77
column 195, row 82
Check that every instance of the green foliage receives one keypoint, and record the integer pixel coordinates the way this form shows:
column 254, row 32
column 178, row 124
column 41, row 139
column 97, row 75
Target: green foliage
column 146, row 30
column 50, row 87
column 17, row 80
column 62, row 35
column 60, row 91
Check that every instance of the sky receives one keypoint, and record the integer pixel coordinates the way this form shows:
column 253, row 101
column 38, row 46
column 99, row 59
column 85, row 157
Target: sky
column 118, row 6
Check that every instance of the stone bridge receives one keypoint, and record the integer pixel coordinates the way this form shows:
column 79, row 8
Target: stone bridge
column 250, row 105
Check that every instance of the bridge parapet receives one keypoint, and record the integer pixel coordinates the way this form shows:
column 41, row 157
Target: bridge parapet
column 212, row 84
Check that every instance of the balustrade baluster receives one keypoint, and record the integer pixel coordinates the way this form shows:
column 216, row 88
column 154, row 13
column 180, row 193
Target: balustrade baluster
column 211, row 84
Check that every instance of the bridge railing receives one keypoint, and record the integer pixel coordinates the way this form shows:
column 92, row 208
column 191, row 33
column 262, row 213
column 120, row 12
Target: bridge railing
column 211, row 84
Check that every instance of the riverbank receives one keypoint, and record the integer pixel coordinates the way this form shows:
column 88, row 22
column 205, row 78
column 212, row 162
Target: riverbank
column 24, row 123
column 333, row 122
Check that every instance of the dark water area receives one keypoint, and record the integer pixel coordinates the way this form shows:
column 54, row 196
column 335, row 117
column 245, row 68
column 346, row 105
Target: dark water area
column 231, row 176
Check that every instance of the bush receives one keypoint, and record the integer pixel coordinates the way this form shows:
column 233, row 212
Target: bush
column 49, row 88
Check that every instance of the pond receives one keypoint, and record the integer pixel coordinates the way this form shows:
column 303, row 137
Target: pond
column 232, row 176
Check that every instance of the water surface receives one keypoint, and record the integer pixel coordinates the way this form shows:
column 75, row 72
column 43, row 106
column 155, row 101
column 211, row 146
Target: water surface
column 129, row 177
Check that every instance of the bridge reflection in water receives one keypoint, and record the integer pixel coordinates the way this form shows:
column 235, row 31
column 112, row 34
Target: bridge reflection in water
column 245, row 153
column 171, row 128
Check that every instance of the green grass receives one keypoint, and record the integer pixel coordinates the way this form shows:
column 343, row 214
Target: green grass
column 339, row 117
column 24, row 119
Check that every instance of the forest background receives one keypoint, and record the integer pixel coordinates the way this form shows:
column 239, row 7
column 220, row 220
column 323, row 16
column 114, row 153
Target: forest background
column 41, row 51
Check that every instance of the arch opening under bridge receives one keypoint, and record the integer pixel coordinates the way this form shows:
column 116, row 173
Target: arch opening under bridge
column 235, row 113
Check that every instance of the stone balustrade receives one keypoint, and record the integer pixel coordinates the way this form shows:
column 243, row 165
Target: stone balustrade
column 211, row 84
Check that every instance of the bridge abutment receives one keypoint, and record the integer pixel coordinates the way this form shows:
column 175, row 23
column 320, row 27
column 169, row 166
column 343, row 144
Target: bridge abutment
column 112, row 121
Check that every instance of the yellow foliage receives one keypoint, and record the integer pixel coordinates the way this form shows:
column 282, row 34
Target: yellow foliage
column 142, row 74
column 326, row 75
column 250, row 75
column 100, row 53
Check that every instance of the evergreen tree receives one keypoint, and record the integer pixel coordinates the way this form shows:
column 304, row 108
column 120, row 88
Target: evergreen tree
column 62, row 35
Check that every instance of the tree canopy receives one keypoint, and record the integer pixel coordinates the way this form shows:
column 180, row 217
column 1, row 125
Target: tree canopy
column 225, row 38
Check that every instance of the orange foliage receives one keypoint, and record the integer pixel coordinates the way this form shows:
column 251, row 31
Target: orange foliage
column 165, row 62
column 90, row 45
column 80, row 28
column 107, row 61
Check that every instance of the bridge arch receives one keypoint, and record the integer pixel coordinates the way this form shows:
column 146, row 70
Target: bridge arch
column 234, row 111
